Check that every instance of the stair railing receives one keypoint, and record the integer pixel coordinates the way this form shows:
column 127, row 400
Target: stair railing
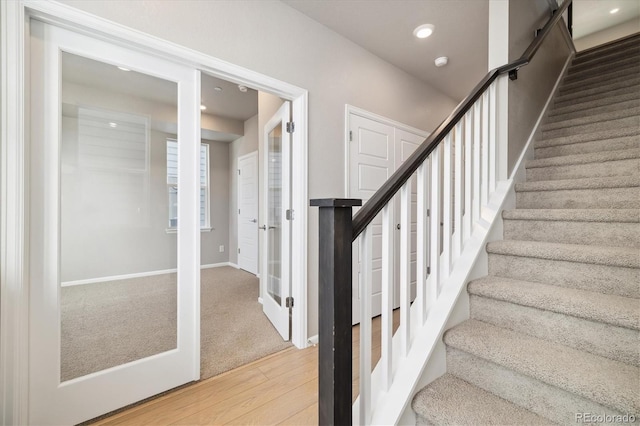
column 455, row 171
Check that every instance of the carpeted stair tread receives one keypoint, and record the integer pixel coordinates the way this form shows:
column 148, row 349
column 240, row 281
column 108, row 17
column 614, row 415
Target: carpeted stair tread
column 624, row 257
column 577, row 215
column 616, row 97
column 601, row 91
column 614, row 63
column 597, row 111
column 588, row 82
column 583, row 183
column 603, row 136
column 627, row 109
column 589, row 128
column 604, row 60
column 614, row 310
column 599, row 379
column 615, row 144
column 623, row 44
column 449, row 400
column 594, row 157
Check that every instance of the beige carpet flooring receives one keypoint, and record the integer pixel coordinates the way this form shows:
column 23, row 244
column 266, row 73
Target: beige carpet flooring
column 112, row 323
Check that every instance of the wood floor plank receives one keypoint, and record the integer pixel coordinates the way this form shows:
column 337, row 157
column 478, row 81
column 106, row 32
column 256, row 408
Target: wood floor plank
column 306, row 417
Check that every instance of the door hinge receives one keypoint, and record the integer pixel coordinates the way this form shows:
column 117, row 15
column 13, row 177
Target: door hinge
column 289, row 302
column 238, row 171
column 428, row 212
column 238, row 211
column 350, row 136
column 428, row 270
column 291, row 127
column 289, row 214
column 238, row 249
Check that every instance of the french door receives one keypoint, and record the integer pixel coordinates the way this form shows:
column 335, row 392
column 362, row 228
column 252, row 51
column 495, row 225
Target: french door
column 114, row 231
column 275, row 272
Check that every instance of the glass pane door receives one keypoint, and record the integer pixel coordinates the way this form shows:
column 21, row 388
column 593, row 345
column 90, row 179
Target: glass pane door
column 274, row 218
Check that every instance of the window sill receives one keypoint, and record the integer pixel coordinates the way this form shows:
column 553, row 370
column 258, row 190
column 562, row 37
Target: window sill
column 175, row 230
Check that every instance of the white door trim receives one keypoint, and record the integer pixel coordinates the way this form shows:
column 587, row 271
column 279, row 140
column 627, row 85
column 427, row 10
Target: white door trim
column 238, row 202
column 14, row 16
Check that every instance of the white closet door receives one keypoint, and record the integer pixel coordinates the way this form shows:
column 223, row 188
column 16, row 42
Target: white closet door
column 111, row 321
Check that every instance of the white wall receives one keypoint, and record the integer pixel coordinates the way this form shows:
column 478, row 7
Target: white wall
column 621, row 30
column 271, row 38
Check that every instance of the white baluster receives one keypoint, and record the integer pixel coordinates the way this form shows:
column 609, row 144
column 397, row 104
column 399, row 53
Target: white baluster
column 493, row 135
column 405, row 268
column 446, row 207
column 477, row 176
column 365, row 326
column 457, row 196
column 387, row 297
column 468, row 140
column 434, row 230
column 421, row 242
column 484, row 188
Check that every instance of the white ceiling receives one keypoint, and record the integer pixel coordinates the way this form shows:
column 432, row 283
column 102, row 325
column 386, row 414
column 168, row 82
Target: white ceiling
column 229, row 103
column 385, row 28
column 590, row 16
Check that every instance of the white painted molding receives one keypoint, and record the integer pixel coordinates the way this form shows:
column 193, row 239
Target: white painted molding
column 136, row 275
column 260, row 300
column 313, row 340
column 233, row 265
column 14, row 306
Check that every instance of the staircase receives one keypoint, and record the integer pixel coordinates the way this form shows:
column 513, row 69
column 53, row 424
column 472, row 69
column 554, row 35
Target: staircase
column 554, row 327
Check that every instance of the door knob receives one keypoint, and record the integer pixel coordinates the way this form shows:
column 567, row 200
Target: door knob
column 263, row 227
column 398, row 226
column 254, row 221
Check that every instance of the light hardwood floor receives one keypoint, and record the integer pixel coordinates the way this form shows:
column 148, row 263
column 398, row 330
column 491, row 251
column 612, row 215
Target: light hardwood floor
column 279, row 389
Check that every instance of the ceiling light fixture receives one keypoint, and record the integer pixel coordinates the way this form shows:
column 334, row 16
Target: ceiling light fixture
column 123, row 69
column 218, row 89
column 242, row 88
column 424, row 31
column 616, row 10
column 441, row 61
column 202, row 107
column 112, row 124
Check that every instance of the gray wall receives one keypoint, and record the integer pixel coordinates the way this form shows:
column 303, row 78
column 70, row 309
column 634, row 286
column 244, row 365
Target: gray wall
column 274, row 39
column 621, row 30
column 528, row 94
column 241, row 146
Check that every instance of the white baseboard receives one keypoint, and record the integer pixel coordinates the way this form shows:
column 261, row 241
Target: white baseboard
column 260, row 300
column 313, row 340
column 233, row 265
column 138, row 275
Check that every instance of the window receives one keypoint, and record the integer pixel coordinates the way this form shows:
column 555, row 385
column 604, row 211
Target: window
column 172, row 184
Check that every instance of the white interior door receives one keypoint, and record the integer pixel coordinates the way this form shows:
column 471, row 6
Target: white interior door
column 114, row 296
column 275, row 273
column 376, row 150
column 248, row 212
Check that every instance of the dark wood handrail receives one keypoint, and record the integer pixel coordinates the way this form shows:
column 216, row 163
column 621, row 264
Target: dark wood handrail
column 382, row 196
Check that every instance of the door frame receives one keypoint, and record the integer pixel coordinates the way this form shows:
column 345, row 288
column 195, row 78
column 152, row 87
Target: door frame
column 239, row 197
column 14, row 148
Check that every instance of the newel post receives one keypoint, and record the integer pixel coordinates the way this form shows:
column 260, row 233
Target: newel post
column 334, row 340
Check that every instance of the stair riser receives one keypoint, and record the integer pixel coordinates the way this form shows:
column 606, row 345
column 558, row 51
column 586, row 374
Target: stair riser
column 631, row 122
column 609, row 234
column 595, row 82
column 601, row 198
column 632, row 102
column 602, row 91
column 613, row 342
column 577, row 72
column 575, row 171
column 628, row 47
column 628, row 142
column 545, row 400
column 627, row 109
column 615, row 97
column 605, row 279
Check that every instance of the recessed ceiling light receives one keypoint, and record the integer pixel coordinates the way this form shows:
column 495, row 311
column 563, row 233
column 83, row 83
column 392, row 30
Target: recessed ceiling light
column 616, row 10
column 218, row 89
column 242, row 88
column 202, row 107
column 112, row 124
column 441, row 61
column 423, row 31
column 123, row 69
